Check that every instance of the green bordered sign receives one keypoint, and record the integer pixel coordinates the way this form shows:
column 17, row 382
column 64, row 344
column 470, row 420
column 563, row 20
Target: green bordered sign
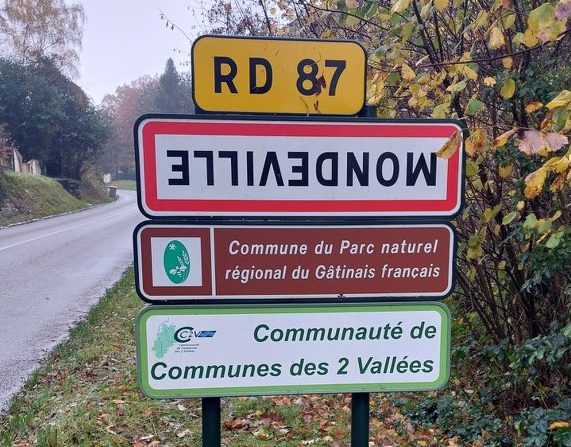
column 256, row 350
column 298, row 76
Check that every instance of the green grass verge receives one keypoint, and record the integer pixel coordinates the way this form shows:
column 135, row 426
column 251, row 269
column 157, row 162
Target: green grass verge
column 124, row 184
column 25, row 196
column 86, row 395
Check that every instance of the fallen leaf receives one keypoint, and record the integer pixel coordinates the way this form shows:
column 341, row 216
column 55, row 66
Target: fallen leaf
column 182, row 434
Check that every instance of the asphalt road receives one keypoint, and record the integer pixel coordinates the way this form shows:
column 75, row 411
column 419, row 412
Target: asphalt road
column 51, row 273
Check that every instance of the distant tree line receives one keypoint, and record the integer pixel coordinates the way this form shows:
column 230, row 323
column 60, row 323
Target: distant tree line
column 49, row 118
column 168, row 93
column 46, row 116
column 43, row 113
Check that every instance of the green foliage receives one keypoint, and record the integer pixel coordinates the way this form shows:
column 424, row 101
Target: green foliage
column 461, row 419
column 173, row 93
column 533, row 425
column 50, row 118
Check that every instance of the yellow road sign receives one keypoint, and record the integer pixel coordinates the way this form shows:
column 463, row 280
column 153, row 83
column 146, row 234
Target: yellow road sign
column 317, row 77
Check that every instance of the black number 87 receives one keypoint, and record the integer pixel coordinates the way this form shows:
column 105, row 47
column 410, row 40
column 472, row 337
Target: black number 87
column 311, row 76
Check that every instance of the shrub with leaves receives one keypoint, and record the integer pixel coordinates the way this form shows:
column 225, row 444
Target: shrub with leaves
column 500, row 66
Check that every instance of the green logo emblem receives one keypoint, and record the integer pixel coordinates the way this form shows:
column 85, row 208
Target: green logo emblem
column 164, row 339
column 176, row 262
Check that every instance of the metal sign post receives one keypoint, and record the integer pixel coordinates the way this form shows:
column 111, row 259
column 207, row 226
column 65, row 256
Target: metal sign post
column 211, row 422
column 360, row 420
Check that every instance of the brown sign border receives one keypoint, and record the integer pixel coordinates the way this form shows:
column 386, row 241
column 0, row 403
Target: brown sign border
column 143, row 272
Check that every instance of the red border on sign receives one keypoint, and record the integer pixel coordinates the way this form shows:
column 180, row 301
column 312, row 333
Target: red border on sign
column 436, row 130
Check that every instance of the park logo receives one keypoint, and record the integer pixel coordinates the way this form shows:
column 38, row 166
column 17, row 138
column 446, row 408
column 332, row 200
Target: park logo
column 176, row 261
column 168, row 335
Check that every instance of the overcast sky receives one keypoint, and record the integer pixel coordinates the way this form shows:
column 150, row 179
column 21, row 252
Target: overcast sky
column 126, row 39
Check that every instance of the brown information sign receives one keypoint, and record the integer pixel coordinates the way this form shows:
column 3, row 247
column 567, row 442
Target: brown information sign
column 218, row 264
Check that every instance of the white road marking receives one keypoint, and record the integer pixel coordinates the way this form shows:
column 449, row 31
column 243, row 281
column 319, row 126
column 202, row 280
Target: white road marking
column 46, row 235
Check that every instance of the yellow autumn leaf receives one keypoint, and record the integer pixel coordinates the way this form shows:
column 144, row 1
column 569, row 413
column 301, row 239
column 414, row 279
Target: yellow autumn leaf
column 558, row 183
column 503, row 138
column 561, row 100
column 441, row 111
column 469, row 73
column 497, row 39
column 534, row 183
column 517, row 39
column 400, row 6
column 489, row 81
column 530, row 38
column 558, row 424
column 508, row 63
column 509, row 21
column 406, row 32
column 482, row 20
column 533, row 106
column 476, row 142
column 450, row 147
column 508, row 89
column 425, row 11
column 506, row 171
column 441, row 5
column 561, row 165
column 407, row 73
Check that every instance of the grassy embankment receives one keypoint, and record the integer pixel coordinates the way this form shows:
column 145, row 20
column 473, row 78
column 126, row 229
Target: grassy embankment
column 86, row 395
column 24, row 197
